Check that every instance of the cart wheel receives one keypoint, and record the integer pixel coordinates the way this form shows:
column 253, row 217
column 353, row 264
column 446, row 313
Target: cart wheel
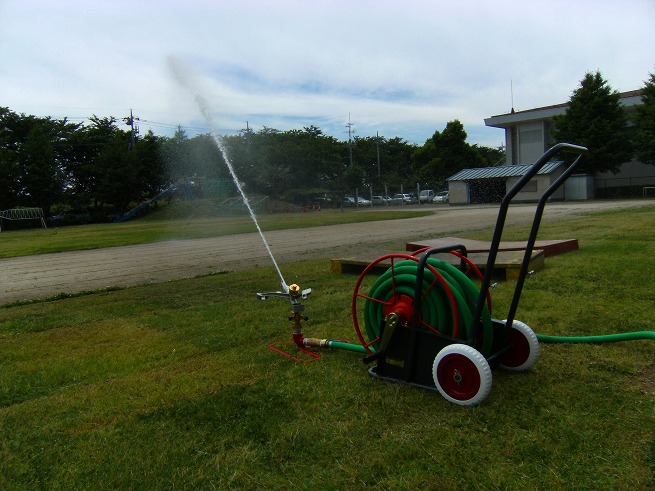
column 524, row 348
column 462, row 375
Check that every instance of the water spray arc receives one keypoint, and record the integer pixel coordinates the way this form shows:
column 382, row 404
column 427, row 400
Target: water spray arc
column 244, row 197
column 181, row 74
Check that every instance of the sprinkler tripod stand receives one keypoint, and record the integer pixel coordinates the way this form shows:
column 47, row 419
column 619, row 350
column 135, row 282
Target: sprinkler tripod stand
column 294, row 295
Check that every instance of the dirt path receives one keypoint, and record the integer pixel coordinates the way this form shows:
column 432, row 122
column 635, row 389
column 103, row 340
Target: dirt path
column 32, row 277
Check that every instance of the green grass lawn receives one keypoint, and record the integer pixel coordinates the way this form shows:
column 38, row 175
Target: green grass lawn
column 172, row 386
column 170, row 226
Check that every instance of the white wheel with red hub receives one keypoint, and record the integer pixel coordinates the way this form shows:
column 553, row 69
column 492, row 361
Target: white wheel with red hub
column 462, row 375
column 524, row 348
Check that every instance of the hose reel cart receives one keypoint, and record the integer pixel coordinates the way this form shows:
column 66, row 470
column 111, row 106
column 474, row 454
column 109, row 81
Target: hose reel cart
column 426, row 324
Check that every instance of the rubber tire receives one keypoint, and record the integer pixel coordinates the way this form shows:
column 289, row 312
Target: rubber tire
column 462, row 375
column 525, row 348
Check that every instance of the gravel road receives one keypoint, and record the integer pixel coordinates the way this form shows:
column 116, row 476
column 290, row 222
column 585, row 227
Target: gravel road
column 33, row 277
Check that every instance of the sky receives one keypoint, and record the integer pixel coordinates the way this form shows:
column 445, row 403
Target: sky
column 393, row 68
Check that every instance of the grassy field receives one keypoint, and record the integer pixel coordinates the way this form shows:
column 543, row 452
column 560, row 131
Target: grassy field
column 163, row 227
column 172, row 386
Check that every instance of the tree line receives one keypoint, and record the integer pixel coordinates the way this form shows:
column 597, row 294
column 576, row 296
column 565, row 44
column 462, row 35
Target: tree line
column 103, row 166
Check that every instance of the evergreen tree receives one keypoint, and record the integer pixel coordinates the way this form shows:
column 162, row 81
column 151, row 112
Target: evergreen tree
column 596, row 119
column 444, row 154
column 8, row 158
column 645, row 124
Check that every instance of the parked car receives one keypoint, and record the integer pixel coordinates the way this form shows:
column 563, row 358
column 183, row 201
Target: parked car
column 394, row 200
column 350, row 201
column 426, row 196
column 407, row 199
column 379, row 201
column 441, row 197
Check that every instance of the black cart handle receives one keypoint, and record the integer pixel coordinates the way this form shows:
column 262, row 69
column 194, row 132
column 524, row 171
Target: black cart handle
column 500, row 223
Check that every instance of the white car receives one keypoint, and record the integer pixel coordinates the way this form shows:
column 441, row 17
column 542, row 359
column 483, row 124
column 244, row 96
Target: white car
column 406, row 199
column 426, row 196
column 350, row 201
column 441, row 197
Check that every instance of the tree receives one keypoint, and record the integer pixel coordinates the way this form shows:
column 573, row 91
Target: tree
column 645, row 124
column 117, row 182
column 41, row 176
column 444, row 154
column 8, row 158
column 87, row 167
column 176, row 152
column 113, row 168
column 151, row 175
column 595, row 118
column 33, row 159
column 490, row 156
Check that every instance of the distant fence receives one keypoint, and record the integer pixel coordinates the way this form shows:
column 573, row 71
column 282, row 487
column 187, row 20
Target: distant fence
column 22, row 214
column 236, row 206
column 624, row 187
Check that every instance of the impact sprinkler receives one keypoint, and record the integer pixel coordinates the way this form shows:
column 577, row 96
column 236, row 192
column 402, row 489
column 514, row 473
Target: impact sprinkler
column 296, row 316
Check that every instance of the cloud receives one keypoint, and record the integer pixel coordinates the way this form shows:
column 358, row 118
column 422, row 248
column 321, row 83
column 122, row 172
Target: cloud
column 400, row 68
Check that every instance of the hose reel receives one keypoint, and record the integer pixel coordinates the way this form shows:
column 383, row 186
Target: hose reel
column 421, row 307
column 447, row 301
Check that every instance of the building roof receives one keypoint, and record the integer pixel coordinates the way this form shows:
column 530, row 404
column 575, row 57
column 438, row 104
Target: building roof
column 501, row 171
column 627, row 99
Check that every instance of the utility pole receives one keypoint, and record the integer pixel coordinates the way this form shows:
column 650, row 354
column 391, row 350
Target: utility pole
column 350, row 144
column 377, row 148
column 134, row 130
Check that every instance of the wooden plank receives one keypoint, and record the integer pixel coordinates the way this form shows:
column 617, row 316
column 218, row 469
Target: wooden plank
column 507, row 266
column 550, row 247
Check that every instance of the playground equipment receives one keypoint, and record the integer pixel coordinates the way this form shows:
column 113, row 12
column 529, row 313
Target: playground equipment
column 182, row 186
column 425, row 323
column 24, row 214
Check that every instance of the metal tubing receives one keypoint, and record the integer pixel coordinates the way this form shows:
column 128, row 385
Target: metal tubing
column 533, row 238
column 500, row 224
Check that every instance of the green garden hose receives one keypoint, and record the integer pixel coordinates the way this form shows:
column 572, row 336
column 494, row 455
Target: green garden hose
column 606, row 338
column 436, row 309
column 343, row 345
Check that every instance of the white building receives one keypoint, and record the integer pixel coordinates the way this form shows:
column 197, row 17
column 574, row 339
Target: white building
column 527, row 137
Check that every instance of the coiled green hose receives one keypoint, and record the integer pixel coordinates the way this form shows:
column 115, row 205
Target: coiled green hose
column 436, row 309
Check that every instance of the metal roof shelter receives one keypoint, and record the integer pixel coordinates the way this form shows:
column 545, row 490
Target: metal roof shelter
column 489, row 184
column 501, row 171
